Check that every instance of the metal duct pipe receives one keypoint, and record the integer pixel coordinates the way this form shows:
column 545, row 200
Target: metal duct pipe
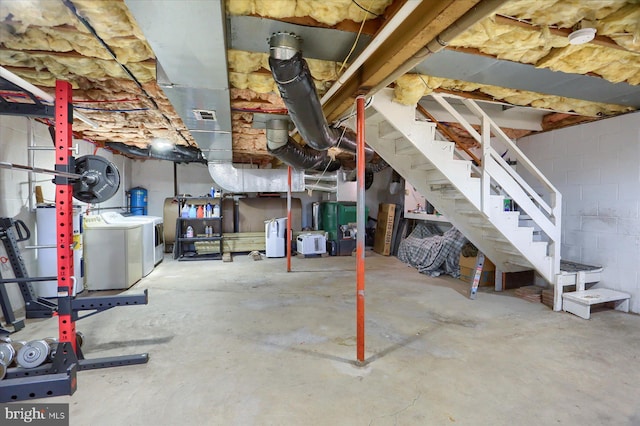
column 324, row 188
column 231, row 179
column 180, row 154
column 281, row 146
column 442, row 40
column 292, row 75
column 333, row 177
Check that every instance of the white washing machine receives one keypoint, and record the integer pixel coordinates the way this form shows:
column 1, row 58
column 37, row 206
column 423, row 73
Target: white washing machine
column 149, row 236
column 158, row 237
column 112, row 253
column 48, row 257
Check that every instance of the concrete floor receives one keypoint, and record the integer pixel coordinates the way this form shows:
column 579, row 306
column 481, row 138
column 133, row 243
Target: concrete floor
column 246, row 343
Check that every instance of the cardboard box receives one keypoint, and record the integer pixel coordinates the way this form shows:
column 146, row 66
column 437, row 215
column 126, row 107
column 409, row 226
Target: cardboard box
column 487, row 278
column 468, row 270
column 510, row 280
column 470, row 262
column 384, row 229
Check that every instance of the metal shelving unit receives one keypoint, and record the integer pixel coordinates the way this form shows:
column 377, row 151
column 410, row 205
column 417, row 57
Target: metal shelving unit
column 187, row 248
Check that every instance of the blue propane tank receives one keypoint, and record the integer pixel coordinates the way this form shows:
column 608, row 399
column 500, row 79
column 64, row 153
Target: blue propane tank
column 138, row 201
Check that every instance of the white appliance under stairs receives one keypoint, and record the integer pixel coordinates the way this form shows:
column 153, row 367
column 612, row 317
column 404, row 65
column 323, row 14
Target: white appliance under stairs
column 472, row 196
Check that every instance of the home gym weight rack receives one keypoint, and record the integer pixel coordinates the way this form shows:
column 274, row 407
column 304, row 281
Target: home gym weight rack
column 95, row 180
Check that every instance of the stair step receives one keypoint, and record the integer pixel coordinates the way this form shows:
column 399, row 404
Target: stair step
column 505, row 250
column 442, row 187
column 496, row 239
column 469, row 212
column 452, row 195
column 435, row 177
column 404, row 147
column 579, row 302
column 519, row 262
column 421, row 163
column 483, row 225
column 387, row 131
column 438, row 181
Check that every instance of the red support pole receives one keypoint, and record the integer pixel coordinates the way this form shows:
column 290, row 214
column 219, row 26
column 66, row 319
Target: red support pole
column 360, row 158
column 289, row 235
column 64, row 212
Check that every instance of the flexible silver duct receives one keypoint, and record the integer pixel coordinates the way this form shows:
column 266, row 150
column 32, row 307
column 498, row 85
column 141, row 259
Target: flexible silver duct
column 281, row 146
column 292, row 75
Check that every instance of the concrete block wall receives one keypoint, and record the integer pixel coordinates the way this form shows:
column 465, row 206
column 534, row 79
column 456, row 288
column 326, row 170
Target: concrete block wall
column 14, row 187
column 596, row 167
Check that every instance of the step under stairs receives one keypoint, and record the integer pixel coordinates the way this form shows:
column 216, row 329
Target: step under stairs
column 472, row 196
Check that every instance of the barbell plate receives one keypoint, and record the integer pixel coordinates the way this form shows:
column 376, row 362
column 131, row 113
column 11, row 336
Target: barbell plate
column 99, row 179
column 7, row 353
column 17, row 344
column 3, row 371
column 33, row 354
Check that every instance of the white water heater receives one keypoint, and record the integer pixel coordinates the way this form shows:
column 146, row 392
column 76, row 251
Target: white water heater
column 48, row 257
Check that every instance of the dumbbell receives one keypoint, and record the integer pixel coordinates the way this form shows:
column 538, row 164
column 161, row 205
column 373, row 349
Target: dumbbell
column 8, row 350
column 6, row 357
column 35, row 353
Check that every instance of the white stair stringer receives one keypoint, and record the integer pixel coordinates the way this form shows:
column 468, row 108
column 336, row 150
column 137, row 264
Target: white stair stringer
column 409, row 146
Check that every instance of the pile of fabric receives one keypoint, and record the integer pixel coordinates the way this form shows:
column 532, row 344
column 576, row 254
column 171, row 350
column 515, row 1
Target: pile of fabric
column 431, row 253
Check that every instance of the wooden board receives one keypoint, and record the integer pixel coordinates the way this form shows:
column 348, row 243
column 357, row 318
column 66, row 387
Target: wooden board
column 243, row 242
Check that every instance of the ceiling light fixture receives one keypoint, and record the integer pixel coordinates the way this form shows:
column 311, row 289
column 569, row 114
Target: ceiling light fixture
column 583, row 32
column 161, row 144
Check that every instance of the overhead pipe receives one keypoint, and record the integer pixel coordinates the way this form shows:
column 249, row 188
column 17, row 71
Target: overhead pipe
column 179, row 154
column 442, row 40
column 36, row 91
column 323, row 188
column 292, row 75
column 283, row 147
column 239, row 180
column 388, row 29
column 333, row 177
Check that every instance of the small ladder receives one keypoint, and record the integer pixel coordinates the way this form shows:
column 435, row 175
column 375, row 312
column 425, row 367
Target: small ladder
column 476, row 277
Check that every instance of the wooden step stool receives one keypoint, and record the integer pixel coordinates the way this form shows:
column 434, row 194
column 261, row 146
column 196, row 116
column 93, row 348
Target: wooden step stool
column 579, row 302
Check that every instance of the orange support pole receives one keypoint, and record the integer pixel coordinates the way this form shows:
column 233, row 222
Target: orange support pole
column 360, row 158
column 289, row 220
column 64, row 212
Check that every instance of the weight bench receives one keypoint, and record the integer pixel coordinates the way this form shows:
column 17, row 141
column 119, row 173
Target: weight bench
column 579, row 302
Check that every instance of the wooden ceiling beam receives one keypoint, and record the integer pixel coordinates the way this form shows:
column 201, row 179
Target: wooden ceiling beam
column 427, row 21
column 370, row 27
column 558, row 120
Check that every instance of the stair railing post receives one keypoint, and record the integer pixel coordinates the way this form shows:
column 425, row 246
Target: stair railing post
column 485, row 179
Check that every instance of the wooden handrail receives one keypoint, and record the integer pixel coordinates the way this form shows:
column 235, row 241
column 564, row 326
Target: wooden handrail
column 444, row 130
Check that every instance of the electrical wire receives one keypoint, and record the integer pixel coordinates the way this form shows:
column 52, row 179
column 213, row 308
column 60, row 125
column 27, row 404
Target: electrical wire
column 366, row 10
column 104, row 101
column 355, row 43
column 344, row 129
column 339, row 122
column 425, row 83
column 113, row 110
column 69, row 4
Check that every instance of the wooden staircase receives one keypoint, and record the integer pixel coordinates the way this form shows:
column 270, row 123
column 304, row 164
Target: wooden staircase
column 472, row 197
